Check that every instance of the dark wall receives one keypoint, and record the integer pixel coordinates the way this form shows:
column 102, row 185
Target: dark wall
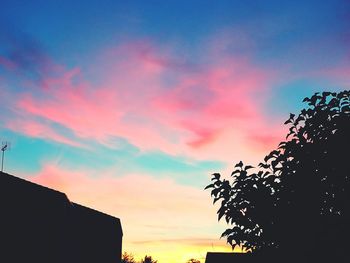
column 41, row 225
column 95, row 231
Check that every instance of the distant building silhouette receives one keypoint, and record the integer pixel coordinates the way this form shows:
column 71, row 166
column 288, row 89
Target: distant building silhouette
column 41, row 225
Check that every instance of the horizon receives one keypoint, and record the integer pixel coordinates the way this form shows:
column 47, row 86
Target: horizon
column 128, row 108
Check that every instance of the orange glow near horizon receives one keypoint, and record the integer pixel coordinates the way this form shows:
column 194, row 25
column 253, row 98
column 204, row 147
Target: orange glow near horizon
column 178, row 251
column 187, row 214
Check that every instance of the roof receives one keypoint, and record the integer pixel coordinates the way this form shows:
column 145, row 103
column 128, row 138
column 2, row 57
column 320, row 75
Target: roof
column 21, row 190
column 34, row 216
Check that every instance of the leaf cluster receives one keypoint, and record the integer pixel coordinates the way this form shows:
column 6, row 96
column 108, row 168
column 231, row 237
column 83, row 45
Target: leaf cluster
column 299, row 185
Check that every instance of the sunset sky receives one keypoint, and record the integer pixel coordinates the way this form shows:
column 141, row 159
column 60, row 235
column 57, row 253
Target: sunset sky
column 129, row 106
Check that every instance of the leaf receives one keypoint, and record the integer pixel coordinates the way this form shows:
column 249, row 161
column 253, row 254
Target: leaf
column 313, row 99
column 235, row 172
column 275, row 153
column 233, row 246
column 288, row 121
column 217, row 199
column 216, row 176
column 248, row 167
column 306, row 99
column 221, row 213
column 218, row 183
column 263, row 165
column 240, row 164
column 267, row 157
column 229, row 240
column 209, row 186
column 215, row 191
column 281, row 145
column 300, row 118
column 226, row 232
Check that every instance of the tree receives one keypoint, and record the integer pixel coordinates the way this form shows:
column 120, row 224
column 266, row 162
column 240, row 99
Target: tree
column 128, row 258
column 148, row 259
column 300, row 187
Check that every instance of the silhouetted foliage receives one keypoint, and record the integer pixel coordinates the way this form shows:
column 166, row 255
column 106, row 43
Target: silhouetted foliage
column 193, row 260
column 148, row 259
column 299, row 188
column 128, row 258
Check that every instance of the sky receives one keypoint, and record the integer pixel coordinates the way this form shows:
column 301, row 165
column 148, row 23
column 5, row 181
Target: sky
column 129, row 106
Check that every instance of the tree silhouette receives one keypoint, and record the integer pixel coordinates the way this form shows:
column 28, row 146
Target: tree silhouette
column 148, row 259
column 301, row 188
column 193, row 260
column 128, row 258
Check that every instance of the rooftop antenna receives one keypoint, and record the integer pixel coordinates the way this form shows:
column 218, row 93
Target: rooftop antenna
column 5, row 146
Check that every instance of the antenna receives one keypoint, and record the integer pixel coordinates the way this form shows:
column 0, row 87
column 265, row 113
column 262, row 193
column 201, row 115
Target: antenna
column 5, row 146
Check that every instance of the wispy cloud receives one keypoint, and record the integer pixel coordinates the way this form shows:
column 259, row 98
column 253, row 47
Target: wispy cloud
column 24, row 56
column 151, row 98
column 38, row 129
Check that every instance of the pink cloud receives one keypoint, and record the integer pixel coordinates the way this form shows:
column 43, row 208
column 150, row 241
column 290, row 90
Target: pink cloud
column 37, row 130
column 262, row 141
column 203, row 135
column 229, row 94
column 150, row 98
column 88, row 112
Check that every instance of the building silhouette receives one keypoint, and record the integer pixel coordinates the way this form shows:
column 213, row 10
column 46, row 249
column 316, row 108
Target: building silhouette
column 41, row 225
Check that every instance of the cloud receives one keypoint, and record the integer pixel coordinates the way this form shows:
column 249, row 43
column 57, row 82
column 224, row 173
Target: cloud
column 87, row 112
column 225, row 95
column 24, row 56
column 152, row 98
column 37, row 129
